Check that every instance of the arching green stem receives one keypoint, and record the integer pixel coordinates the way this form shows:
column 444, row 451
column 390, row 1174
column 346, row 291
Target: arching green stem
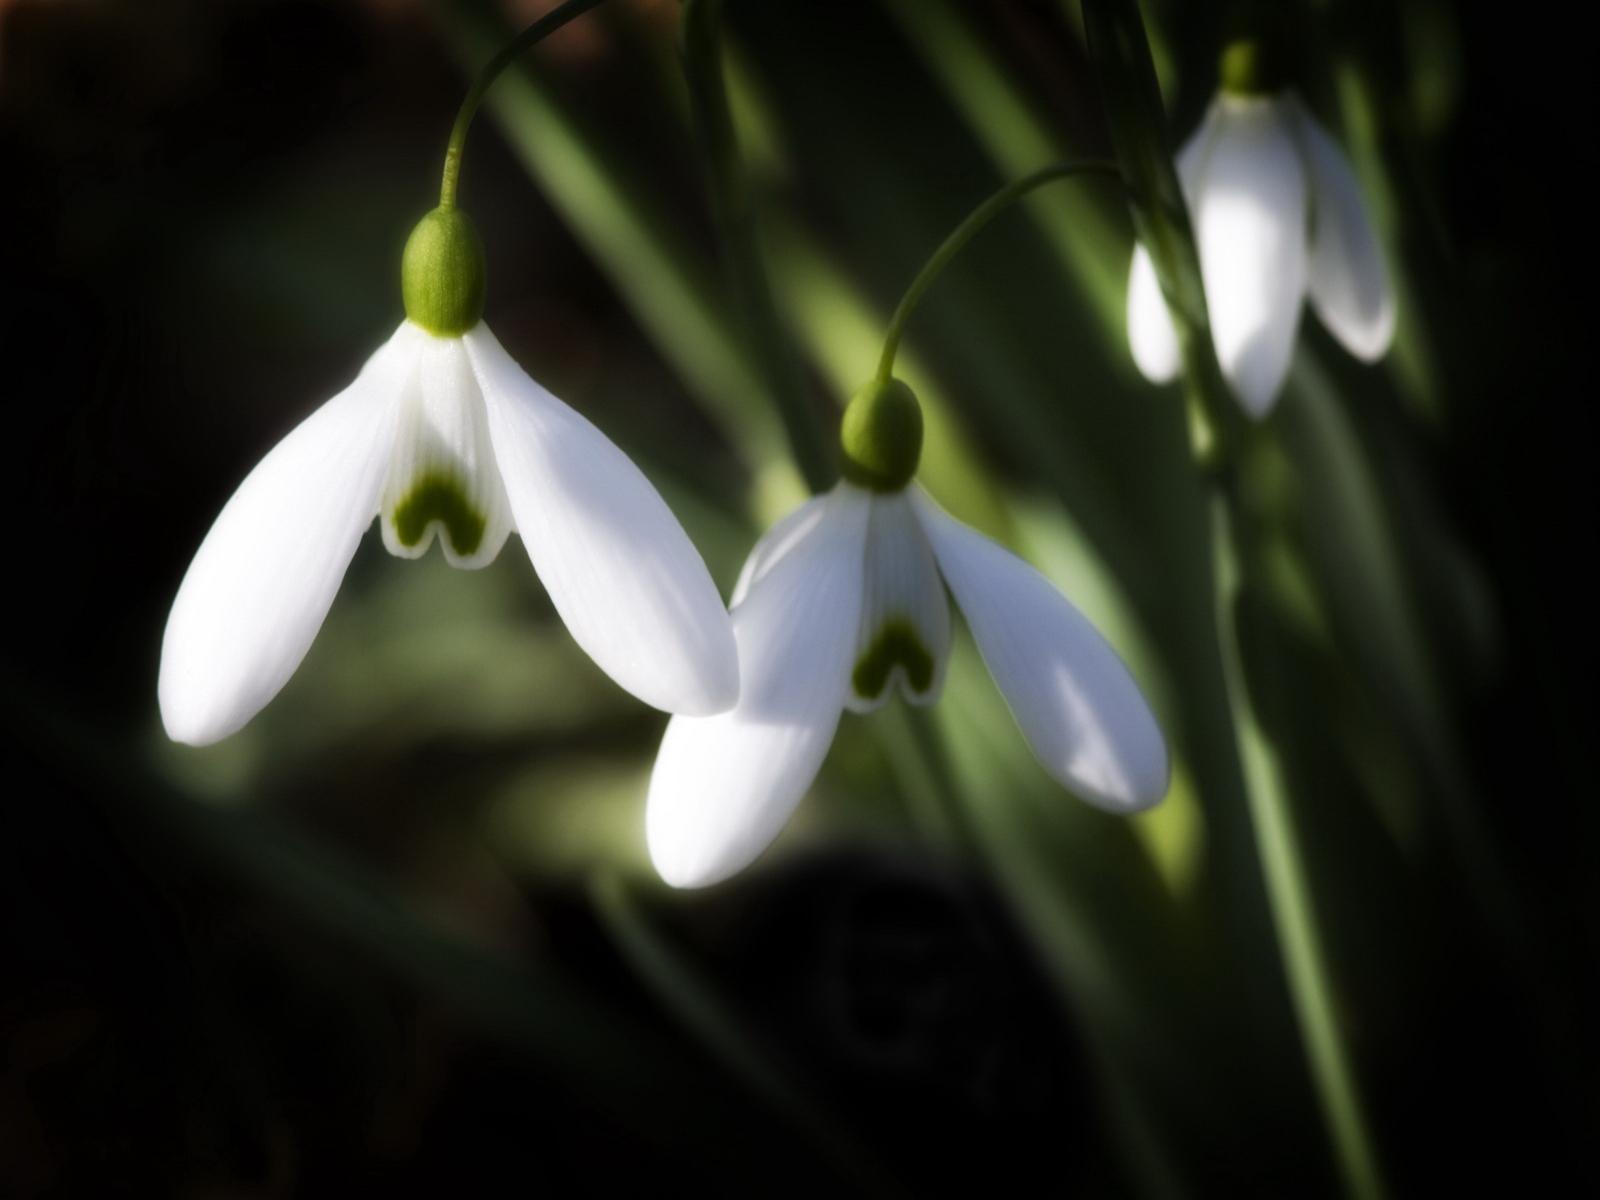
column 509, row 53
column 964, row 233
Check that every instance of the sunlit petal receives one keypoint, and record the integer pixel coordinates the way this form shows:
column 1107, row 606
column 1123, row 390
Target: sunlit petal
column 263, row 579
column 1151, row 336
column 905, row 616
column 1249, row 209
column 1079, row 708
column 724, row 786
column 631, row 587
column 443, row 476
column 1349, row 281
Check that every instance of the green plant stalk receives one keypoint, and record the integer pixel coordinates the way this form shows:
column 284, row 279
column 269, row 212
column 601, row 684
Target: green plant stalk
column 964, row 233
column 1283, row 871
column 1120, row 52
column 484, row 80
column 810, row 443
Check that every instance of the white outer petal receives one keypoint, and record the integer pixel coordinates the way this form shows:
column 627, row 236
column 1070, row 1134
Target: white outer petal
column 724, row 786
column 1151, row 335
column 1349, row 281
column 1074, row 700
column 1249, row 211
column 785, row 533
column 630, row 586
column 900, row 581
column 261, row 583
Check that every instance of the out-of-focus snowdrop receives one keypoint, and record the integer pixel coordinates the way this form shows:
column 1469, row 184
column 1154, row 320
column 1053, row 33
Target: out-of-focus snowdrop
column 841, row 604
column 442, row 435
column 1278, row 218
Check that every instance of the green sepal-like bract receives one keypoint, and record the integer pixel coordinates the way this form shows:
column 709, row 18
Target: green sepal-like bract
column 881, row 436
column 442, row 273
column 1248, row 67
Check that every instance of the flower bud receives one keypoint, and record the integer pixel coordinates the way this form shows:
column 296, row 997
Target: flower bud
column 442, row 273
column 881, row 436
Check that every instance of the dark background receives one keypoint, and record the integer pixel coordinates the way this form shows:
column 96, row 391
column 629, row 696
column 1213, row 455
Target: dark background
column 202, row 205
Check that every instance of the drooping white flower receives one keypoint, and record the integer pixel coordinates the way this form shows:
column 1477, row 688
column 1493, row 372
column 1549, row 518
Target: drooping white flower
column 1278, row 217
column 442, row 435
column 842, row 603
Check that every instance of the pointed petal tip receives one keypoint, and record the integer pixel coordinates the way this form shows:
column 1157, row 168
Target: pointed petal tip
column 1371, row 343
column 721, row 791
column 1146, row 778
column 684, row 864
column 1258, row 396
column 188, row 728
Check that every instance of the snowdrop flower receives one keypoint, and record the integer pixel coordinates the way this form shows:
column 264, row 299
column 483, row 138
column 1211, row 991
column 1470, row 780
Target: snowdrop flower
column 442, row 436
column 1278, row 217
column 843, row 603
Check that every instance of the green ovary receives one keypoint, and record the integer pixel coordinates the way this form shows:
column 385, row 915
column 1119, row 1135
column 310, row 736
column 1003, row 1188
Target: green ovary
column 897, row 643
column 439, row 497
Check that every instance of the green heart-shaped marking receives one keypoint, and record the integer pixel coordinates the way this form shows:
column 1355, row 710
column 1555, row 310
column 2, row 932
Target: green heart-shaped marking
column 440, row 497
column 897, row 643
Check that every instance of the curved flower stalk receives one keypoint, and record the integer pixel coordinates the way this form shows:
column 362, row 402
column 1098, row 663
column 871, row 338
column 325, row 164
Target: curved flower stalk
column 442, row 435
column 1278, row 218
column 841, row 605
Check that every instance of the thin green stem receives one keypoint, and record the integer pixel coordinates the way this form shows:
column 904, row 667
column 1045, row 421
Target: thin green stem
column 491, row 70
column 1284, row 875
column 964, row 233
column 810, row 442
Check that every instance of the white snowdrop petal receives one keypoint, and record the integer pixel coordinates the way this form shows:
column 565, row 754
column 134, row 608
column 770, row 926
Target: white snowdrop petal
column 784, row 535
column 628, row 583
column 904, row 638
column 1249, row 210
column 723, row 786
column 1074, row 700
column 265, row 575
column 1349, row 281
column 442, row 477
column 1151, row 335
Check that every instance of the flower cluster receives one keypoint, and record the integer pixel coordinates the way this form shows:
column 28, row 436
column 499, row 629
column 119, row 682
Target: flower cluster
column 841, row 605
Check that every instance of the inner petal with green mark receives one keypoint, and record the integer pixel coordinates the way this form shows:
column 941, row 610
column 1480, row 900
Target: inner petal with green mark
column 903, row 639
column 439, row 498
column 443, row 476
column 896, row 647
